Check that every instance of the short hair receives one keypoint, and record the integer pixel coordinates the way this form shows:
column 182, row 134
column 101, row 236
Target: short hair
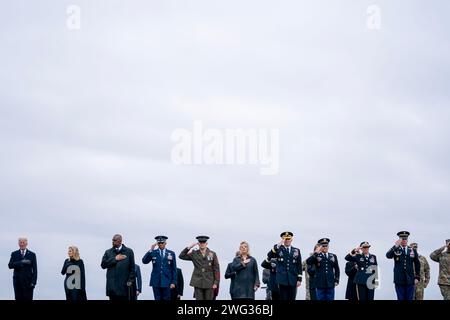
column 248, row 247
column 117, row 236
column 23, row 238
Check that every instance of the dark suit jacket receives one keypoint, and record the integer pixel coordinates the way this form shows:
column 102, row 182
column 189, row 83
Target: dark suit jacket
column 179, row 288
column 25, row 273
column 138, row 279
column 119, row 272
column 350, row 271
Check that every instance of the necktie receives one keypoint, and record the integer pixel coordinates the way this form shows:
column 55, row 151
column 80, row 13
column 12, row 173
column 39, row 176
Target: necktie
column 23, row 253
column 162, row 254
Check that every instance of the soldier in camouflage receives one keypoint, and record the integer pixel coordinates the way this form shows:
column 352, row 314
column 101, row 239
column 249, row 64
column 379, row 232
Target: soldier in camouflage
column 424, row 275
column 442, row 256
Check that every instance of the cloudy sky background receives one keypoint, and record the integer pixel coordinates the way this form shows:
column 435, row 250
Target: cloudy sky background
column 86, row 118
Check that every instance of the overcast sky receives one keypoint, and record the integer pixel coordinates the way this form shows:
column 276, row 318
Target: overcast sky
column 86, row 118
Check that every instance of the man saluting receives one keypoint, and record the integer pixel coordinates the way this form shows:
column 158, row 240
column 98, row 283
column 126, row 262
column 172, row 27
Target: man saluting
column 289, row 266
column 406, row 260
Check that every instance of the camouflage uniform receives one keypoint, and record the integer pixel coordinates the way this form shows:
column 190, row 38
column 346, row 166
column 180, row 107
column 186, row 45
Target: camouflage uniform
column 305, row 269
column 443, row 257
column 424, row 278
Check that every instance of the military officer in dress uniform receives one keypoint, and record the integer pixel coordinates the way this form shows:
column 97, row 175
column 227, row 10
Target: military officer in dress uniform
column 206, row 276
column 164, row 272
column 366, row 275
column 406, row 267
column 327, row 270
column 289, row 266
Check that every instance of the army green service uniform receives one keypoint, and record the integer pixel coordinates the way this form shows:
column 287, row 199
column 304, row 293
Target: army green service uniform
column 206, row 272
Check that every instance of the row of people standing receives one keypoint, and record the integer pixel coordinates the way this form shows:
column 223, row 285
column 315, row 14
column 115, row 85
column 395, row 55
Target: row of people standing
column 283, row 265
column 411, row 271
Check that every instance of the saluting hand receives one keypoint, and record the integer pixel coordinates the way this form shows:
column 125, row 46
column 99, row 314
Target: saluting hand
column 153, row 246
column 397, row 243
column 193, row 245
column 318, row 250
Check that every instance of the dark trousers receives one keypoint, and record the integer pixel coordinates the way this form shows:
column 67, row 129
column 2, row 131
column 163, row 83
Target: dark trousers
column 287, row 292
column 363, row 293
column 204, row 294
column 312, row 294
column 118, row 298
column 273, row 295
column 325, row 294
column 161, row 293
column 404, row 292
column 22, row 290
column 174, row 294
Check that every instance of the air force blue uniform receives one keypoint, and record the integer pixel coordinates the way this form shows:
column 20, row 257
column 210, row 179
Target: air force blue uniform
column 164, row 272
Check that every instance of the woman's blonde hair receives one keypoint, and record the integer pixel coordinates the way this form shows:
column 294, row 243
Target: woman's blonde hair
column 248, row 247
column 76, row 252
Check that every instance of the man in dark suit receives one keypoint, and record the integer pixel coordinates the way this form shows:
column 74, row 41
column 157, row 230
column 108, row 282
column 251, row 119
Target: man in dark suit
column 350, row 270
column 272, row 285
column 289, row 266
column 138, row 284
column 327, row 270
column 406, row 267
column 121, row 273
column 164, row 271
column 177, row 292
column 23, row 261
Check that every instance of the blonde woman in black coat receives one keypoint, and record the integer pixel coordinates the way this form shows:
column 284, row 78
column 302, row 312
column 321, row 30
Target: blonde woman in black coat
column 246, row 275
